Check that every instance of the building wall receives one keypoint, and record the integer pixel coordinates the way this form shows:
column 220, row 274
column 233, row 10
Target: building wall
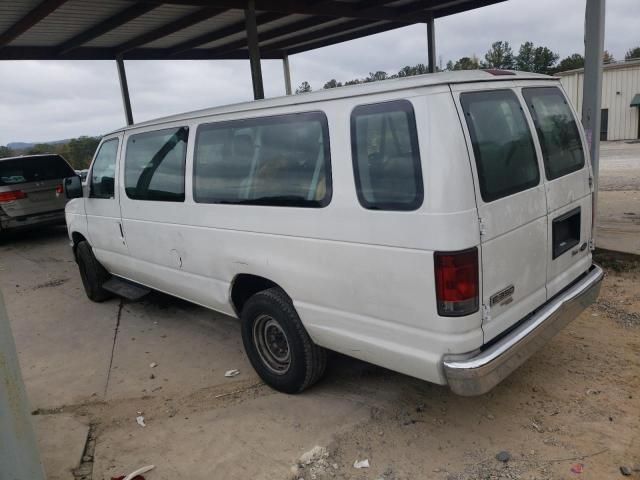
column 619, row 85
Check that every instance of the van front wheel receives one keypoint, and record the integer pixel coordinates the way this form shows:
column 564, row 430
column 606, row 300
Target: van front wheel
column 92, row 273
column 278, row 345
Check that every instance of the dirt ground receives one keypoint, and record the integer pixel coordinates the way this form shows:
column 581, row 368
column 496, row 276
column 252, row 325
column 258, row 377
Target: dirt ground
column 91, row 369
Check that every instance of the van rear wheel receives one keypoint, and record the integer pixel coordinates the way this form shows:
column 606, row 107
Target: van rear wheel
column 92, row 273
column 277, row 344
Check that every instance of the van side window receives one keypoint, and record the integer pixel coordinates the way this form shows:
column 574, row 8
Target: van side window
column 154, row 165
column 557, row 131
column 279, row 161
column 386, row 160
column 502, row 143
column 103, row 170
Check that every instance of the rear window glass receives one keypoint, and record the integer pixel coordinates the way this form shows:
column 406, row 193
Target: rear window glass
column 154, row 165
column 279, row 161
column 386, row 160
column 502, row 143
column 34, row 169
column 557, row 131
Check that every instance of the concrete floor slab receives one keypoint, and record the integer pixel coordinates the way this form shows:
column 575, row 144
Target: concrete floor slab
column 257, row 439
column 193, row 347
column 63, row 339
column 61, row 440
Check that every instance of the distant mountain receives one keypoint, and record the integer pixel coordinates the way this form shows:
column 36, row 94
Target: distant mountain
column 26, row 145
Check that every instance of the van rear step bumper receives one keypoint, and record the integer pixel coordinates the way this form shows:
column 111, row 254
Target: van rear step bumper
column 478, row 372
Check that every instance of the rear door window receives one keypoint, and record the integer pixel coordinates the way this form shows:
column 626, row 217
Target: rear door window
column 34, row 169
column 155, row 164
column 386, row 159
column 502, row 143
column 557, row 131
column 103, row 170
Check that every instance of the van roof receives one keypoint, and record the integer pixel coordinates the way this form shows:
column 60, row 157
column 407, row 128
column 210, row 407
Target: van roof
column 441, row 78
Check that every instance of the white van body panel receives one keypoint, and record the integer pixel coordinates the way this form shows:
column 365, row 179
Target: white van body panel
column 362, row 281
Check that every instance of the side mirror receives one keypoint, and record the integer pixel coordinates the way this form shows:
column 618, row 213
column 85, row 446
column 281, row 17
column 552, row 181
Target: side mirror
column 73, row 187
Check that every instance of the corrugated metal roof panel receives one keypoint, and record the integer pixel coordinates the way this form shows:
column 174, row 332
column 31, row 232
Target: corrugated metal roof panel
column 149, row 21
column 68, row 21
column 209, row 25
column 13, row 10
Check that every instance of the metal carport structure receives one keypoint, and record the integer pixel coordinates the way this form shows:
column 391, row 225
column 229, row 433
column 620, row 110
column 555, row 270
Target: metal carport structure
column 204, row 30
column 121, row 30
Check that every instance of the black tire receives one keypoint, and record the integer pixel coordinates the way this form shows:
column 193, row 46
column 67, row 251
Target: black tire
column 270, row 314
column 92, row 273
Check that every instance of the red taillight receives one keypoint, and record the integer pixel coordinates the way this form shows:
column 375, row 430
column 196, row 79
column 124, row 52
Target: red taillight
column 12, row 195
column 457, row 282
column 59, row 189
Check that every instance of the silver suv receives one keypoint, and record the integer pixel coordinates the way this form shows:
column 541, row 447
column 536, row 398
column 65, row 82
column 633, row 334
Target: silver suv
column 31, row 190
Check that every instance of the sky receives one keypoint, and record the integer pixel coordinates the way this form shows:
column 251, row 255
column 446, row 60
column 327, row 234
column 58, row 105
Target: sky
column 43, row 101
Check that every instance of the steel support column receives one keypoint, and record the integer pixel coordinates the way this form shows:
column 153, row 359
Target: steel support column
column 592, row 94
column 19, row 456
column 124, row 89
column 431, row 44
column 287, row 74
column 254, row 50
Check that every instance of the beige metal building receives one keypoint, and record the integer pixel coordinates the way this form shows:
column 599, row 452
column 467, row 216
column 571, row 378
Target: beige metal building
column 620, row 112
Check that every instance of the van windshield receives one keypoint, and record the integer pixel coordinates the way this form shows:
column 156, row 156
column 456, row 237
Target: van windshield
column 34, row 169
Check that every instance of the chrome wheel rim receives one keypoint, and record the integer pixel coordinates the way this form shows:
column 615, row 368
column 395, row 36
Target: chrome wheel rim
column 272, row 344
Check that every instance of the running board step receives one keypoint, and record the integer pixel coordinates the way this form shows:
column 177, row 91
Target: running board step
column 125, row 288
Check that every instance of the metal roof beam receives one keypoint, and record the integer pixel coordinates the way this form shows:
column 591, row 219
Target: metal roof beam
column 219, row 34
column 324, row 42
column 105, row 53
column 105, row 26
column 42, row 10
column 335, row 9
column 294, row 27
column 170, row 28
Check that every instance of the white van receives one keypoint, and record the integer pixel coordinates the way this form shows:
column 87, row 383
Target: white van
column 439, row 226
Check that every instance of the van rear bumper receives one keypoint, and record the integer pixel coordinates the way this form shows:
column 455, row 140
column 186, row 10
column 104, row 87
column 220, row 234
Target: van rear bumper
column 44, row 218
column 478, row 372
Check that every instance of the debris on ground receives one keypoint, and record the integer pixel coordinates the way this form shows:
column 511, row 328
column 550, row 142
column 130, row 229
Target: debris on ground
column 503, row 456
column 312, row 455
column 361, row 463
column 315, row 462
column 577, row 468
column 140, row 421
column 232, row 373
column 153, row 365
column 626, row 471
column 135, row 475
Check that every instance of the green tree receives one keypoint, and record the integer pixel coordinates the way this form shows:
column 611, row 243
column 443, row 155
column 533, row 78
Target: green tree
column 607, row 57
column 333, row 83
column 40, row 148
column 5, row 152
column 376, row 76
column 544, row 60
column 632, row 53
column 499, row 55
column 525, row 60
column 303, row 88
column 465, row 63
column 570, row 63
column 408, row 71
column 79, row 151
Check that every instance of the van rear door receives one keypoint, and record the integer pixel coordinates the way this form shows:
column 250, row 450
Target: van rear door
column 568, row 185
column 511, row 200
